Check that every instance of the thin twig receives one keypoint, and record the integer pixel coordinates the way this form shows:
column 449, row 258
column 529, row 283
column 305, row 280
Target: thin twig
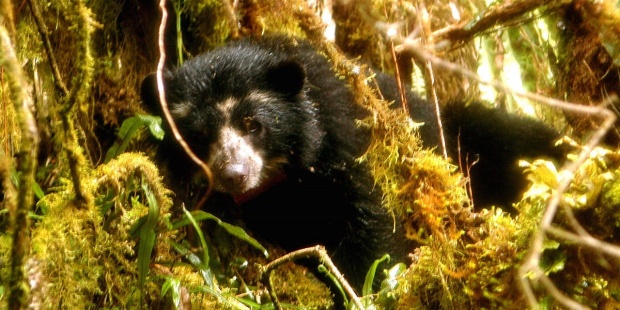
column 425, row 25
column 418, row 52
column 399, row 81
column 588, row 241
column 164, row 103
column 38, row 20
column 316, row 251
column 559, row 295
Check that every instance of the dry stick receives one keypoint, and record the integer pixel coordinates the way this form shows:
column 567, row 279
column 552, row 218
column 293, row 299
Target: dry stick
column 233, row 21
column 164, row 103
column 7, row 19
column 22, row 100
column 399, row 81
column 585, row 240
column 319, row 252
column 531, row 261
column 425, row 25
column 559, row 295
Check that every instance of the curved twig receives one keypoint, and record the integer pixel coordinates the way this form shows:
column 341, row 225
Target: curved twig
column 164, row 103
column 316, row 251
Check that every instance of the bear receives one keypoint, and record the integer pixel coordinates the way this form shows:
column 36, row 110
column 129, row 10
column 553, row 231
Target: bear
column 279, row 131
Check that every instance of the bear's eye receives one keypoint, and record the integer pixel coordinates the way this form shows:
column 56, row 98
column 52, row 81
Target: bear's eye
column 251, row 125
column 198, row 135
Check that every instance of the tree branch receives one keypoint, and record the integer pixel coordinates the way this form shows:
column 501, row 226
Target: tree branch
column 495, row 15
column 26, row 164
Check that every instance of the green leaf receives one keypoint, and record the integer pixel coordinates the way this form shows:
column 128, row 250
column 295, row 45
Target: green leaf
column 147, row 236
column 323, row 270
column 231, row 229
column 201, row 238
column 174, row 286
column 128, row 130
column 195, row 261
column 370, row 275
column 154, row 123
column 391, row 281
column 213, row 291
column 38, row 191
column 15, row 175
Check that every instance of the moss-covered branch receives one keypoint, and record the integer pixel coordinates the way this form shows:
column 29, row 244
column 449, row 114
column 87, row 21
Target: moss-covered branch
column 26, row 165
column 84, row 25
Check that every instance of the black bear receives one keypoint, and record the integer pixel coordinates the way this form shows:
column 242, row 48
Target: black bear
column 278, row 129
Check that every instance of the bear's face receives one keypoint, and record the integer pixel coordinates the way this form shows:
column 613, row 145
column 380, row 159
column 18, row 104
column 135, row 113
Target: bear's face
column 251, row 143
column 244, row 118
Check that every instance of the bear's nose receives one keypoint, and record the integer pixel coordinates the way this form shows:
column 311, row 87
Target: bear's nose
column 234, row 176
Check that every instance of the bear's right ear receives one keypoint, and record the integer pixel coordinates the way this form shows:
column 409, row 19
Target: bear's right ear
column 287, row 78
column 150, row 94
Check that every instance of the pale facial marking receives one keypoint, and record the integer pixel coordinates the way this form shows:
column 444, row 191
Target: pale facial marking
column 233, row 152
column 259, row 97
column 181, row 109
column 226, row 107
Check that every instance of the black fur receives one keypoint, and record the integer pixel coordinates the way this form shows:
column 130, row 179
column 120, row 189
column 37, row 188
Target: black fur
column 497, row 140
column 303, row 124
column 491, row 142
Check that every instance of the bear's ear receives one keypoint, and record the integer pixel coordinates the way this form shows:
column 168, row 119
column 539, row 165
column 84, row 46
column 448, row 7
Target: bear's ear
column 287, row 78
column 150, row 94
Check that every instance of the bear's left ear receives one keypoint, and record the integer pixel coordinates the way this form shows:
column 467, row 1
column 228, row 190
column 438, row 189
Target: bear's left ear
column 287, row 78
column 150, row 94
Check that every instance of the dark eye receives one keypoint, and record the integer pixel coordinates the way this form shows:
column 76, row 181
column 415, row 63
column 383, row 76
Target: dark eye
column 200, row 135
column 251, row 125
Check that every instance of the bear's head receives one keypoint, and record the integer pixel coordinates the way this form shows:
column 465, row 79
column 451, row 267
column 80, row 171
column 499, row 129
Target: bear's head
column 244, row 111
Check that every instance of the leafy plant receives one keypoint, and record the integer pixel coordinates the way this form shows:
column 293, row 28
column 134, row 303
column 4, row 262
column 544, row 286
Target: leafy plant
column 130, row 128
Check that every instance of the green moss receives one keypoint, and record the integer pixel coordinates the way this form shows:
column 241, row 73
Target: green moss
column 296, row 285
column 477, row 268
column 87, row 257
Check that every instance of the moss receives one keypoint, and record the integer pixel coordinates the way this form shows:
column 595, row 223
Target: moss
column 87, row 256
column 296, row 285
column 5, row 269
column 477, row 268
column 610, row 205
